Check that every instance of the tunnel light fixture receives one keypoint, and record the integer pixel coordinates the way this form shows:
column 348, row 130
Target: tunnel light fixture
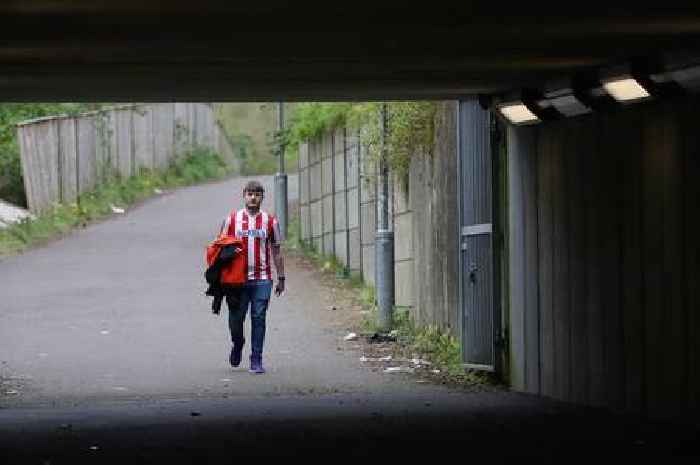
column 687, row 78
column 518, row 113
column 626, row 90
column 565, row 102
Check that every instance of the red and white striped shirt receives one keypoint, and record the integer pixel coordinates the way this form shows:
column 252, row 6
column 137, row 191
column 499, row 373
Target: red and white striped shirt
column 259, row 233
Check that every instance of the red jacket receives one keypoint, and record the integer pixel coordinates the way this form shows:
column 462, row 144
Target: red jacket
column 234, row 272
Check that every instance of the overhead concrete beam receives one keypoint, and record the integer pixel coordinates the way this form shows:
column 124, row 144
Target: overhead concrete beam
column 92, row 50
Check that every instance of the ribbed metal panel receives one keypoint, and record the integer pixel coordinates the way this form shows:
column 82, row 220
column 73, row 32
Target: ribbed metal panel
column 476, row 164
column 478, row 301
column 478, row 334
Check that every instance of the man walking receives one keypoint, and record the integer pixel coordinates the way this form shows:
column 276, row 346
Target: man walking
column 261, row 237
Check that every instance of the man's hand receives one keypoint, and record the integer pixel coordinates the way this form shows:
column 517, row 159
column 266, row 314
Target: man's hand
column 279, row 288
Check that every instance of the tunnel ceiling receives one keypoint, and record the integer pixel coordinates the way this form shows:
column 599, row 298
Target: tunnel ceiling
column 144, row 50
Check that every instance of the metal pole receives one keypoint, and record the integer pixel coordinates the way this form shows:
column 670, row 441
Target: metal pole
column 347, row 205
column 384, row 242
column 281, row 178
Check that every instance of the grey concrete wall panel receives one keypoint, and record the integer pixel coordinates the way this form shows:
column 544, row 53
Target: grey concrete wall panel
column 47, row 165
column 183, row 128
column 202, row 124
column 143, row 138
column 316, row 221
column 303, row 155
column 339, row 140
column 87, row 154
column 316, row 186
column 216, row 133
column 328, row 243
column 27, row 156
column 209, row 125
column 312, row 148
column 308, row 222
column 369, row 216
column 433, row 198
column 304, row 186
column 340, row 247
column 340, row 220
column 317, row 244
column 191, row 123
column 328, row 144
column 353, row 160
column 303, row 222
column 399, row 193
column 163, row 133
column 69, row 162
column 352, row 138
column 392, row 199
column 328, row 214
column 124, row 143
column 355, row 250
column 368, row 260
column 327, row 174
column 293, row 190
column 353, row 213
column 39, row 179
column 403, row 283
column 339, row 172
column 403, row 237
column 105, row 143
column 113, row 135
column 44, row 162
column 368, row 178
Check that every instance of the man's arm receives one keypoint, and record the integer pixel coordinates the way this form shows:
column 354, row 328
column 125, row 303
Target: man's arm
column 279, row 266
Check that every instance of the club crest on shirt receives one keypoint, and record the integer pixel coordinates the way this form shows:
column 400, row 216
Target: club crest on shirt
column 256, row 233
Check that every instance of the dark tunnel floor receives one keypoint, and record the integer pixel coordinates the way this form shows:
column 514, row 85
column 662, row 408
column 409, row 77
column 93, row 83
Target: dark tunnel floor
column 496, row 426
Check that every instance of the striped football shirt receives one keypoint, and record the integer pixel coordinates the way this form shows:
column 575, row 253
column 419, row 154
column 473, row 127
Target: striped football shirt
column 259, row 233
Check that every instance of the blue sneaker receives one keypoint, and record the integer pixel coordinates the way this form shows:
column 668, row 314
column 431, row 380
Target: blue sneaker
column 236, row 352
column 256, row 366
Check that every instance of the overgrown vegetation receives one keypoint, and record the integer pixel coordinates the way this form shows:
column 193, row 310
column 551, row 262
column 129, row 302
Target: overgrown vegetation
column 247, row 127
column 193, row 166
column 429, row 342
column 411, row 127
column 11, row 183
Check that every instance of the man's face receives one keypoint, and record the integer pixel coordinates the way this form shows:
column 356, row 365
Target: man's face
column 252, row 199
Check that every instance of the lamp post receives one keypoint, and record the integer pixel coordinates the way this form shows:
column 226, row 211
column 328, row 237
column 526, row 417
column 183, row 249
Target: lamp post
column 281, row 176
column 384, row 238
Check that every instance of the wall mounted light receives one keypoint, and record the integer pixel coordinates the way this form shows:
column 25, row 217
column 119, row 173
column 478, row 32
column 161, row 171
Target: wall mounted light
column 625, row 89
column 600, row 90
column 517, row 113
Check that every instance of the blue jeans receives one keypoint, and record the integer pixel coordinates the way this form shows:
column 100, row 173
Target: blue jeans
column 255, row 294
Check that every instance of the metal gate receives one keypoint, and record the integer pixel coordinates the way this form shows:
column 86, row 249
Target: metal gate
column 477, row 264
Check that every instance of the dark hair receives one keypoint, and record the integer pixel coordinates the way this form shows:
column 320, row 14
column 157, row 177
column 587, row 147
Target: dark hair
column 253, row 186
